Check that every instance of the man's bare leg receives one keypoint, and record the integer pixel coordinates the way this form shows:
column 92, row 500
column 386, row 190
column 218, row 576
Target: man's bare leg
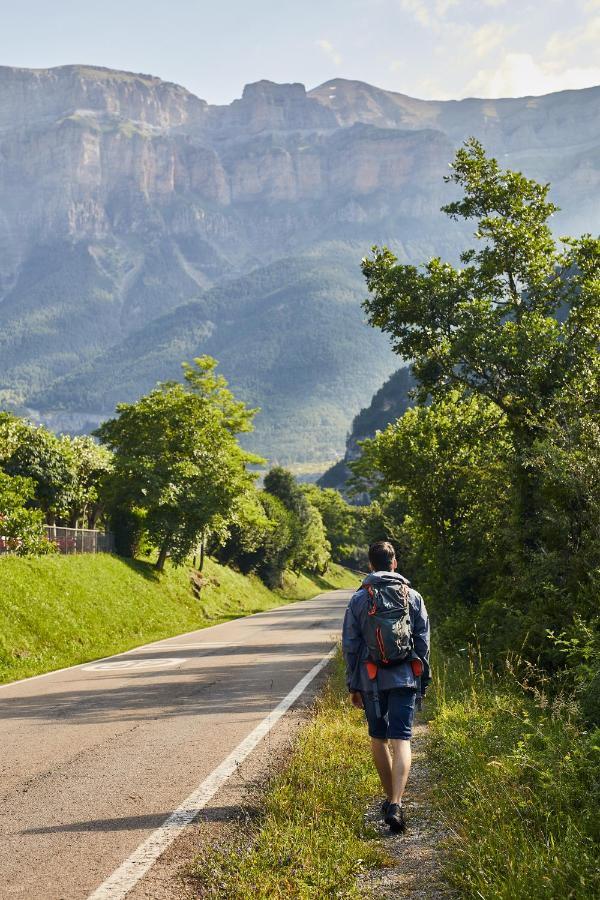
column 383, row 763
column 401, row 760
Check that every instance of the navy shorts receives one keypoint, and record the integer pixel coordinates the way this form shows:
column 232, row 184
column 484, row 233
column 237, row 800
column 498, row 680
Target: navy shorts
column 397, row 708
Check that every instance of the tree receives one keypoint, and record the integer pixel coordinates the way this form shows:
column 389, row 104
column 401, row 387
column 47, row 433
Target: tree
column 177, row 460
column 447, row 464
column 35, row 453
column 309, row 548
column 91, row 465
column 344, row 524
column 517, row 325
column 21, row 529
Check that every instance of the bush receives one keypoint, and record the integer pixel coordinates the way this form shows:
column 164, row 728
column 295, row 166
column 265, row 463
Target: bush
column 21, row 529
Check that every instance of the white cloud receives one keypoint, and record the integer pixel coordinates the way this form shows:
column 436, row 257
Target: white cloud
column 485, row 39
column 428, row 12
column 569, row 45
column 418, row 9
column 519, row 75
column 329, row 50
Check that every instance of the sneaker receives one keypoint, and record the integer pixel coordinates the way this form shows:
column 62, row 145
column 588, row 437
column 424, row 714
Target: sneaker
column 394, row 817
column 384, row 808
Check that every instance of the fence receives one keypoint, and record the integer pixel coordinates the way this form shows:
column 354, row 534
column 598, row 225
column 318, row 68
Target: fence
column 80, row 540
column 67, row 540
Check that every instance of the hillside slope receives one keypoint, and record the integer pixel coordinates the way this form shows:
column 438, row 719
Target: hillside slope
column 63, row 610
column 290, row 337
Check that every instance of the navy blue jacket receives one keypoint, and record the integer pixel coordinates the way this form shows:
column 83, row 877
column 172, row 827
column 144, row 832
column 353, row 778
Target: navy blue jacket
column 355, row 648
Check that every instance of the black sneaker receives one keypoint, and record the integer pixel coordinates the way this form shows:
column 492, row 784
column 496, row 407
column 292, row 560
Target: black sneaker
column 394, row 817
column 384, row 808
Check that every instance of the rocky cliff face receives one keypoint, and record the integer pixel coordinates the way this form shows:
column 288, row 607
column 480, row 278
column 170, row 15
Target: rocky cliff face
column 123, row 197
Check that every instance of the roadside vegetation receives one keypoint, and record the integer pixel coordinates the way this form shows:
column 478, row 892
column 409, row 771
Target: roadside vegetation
column 173, row 484
column 489, row 487
column 516, row 779
column 62, row 610
column 309, row 838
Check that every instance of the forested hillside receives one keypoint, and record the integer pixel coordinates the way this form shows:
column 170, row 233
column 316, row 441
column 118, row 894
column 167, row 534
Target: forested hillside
column 387, row 405
column 271, row 332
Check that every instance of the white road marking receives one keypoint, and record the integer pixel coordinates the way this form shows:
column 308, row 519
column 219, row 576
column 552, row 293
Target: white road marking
column 125, row 664
column 135, row 867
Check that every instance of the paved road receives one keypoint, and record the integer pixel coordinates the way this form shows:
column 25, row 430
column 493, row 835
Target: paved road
column 93, row 759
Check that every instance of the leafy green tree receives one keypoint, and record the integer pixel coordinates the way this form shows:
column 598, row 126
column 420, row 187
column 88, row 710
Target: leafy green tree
column 35, row 453
column 11, row 432
column 310, row 548
column 177, row 458
column 274, row 553
column 247, row 533
column 21, row 529
column 517, row 324
column 448, row 464
column 314, row 553
column 91, row 465
column 344, row 523
column 261, row 542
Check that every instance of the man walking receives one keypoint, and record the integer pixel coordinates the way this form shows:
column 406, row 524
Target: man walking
column 385, row 641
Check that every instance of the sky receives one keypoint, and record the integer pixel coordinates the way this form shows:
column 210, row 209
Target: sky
column 433, row 49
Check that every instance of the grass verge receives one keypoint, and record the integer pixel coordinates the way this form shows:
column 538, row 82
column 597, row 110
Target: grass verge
column 309, row 839
column 57, row 611
column 518, row 782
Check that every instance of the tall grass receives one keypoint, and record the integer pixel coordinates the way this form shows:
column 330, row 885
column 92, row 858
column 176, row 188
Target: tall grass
column 517, row 779
column 310, row 839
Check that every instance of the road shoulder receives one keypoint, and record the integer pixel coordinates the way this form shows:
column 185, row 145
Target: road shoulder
column 233, row 803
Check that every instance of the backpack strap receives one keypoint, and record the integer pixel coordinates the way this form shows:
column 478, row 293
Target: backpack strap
column 371, row 593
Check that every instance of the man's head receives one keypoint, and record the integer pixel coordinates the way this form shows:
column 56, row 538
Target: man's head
column 382, row 557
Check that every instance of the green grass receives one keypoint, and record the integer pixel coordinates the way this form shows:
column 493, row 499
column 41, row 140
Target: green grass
column 310, row 838
column 63, row 610
column 517, row 779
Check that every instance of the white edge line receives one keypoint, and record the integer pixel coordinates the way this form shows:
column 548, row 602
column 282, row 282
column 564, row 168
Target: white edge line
column 9, row 684
column 135, row 867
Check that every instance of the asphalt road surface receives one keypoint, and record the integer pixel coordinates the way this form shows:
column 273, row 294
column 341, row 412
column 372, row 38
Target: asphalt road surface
column 94, row 759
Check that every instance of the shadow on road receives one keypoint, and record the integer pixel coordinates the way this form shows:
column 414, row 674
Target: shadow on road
column 199, row 689
column 133, row 823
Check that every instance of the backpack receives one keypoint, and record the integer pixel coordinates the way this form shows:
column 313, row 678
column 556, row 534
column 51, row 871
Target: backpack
column 388, row 630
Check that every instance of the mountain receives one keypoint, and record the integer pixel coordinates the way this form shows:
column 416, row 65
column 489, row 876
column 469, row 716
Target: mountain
column 389, row 403
column 268, row 345
column 140, row 226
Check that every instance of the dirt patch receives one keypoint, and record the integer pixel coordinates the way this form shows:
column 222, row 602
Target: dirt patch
column 415, row 871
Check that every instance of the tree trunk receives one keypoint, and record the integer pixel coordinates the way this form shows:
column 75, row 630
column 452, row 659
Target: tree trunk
column 162, row 556
column 93, row 516
column 202, row 552
column 527, row 485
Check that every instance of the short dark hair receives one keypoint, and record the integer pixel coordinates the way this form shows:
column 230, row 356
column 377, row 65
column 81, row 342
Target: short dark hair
column 381, row 556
